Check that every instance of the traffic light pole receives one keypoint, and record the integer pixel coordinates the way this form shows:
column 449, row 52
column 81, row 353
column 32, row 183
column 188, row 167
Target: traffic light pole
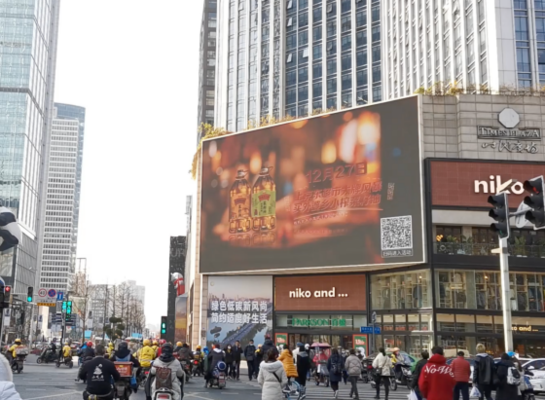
column 506, row 296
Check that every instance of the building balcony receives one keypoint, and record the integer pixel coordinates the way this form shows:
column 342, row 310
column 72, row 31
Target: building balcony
column 520, row 255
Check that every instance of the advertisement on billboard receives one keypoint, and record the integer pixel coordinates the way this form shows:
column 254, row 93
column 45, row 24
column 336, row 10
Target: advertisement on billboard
column 180, row 327
column 239, row 308
column 338, row 189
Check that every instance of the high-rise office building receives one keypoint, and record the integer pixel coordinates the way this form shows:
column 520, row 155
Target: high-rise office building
column 291, row 57
column 28, row 46
column 470, row 42
column 207, row 64
column 71, row 112
column 58, row 255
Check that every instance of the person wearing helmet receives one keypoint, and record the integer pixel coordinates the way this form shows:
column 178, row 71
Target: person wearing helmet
column 12, row 350
column 162, row 342
column 110, row 350
column 177, row 375
column 99, row 373
column 199, row 356
column 67, row 350
column 155, row 346
column 147, row 354
column 124, row 354
column 185, row 353
column 258, row 359
column 178, row 347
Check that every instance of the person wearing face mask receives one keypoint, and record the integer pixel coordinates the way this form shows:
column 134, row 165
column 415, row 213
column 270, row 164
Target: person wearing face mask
column 229, row 361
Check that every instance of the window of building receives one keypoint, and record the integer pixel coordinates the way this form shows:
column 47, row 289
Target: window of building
column 331, row 86
column 346, row 80
column 317, row 14
column 521, row 28
column 303, row 38
column 346, row 62
column 346, row 42
column 361, row 58
column 303, row 20
column 291, row 96
column 291, row 78
column 331, row 28
column 361, row 18
column 317, row 89
column 375, row 34
column 346, row 23
column 317, row 33
column 303, row 93
column 331, row 66
column 291, row 41
column 303, row 74
column 403, row 290
column 376, row 53
column 317, row 70
column 331, row 10
column 346, row 5
column 361, row 77
column 375, row 13
column 377, row 93
column 361, row 38
column 331, row 102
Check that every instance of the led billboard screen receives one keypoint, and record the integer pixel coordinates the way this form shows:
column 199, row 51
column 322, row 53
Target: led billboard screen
column 338, row 189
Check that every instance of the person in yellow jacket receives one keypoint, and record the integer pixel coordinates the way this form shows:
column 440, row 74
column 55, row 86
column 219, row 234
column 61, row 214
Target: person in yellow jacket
column 14, row 347
column 287, row 360
column 147, row 355
column 110, row 351
column 155, row 347
column 66, row 350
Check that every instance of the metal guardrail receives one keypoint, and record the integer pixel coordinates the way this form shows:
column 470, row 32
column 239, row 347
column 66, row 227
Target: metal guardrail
column 485, row 249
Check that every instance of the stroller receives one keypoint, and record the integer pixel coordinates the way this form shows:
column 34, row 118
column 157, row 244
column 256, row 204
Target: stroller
column 294, row 391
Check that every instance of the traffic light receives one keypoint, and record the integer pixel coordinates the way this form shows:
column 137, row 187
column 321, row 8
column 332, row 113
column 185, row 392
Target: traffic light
column 7, row 290
column 535, row 202
column 163, row 327
column 500, row 213
column 30, row 294
column 64, row 306
column 68, row 310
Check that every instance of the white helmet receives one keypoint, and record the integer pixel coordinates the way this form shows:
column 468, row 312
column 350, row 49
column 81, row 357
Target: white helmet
column 307, row 346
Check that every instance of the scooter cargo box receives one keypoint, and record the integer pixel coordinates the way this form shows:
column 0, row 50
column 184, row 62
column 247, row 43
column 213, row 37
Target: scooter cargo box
column 124, row 368
column 21, row 351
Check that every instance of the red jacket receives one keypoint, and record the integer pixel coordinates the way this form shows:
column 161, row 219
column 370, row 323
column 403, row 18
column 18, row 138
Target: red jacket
column 436, row 379
column 461, row 369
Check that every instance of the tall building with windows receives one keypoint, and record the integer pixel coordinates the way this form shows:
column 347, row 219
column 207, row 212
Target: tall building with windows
column 475, row 43
column 58, row 254
column 291, row 57
column 28, row 46
column 207, row 64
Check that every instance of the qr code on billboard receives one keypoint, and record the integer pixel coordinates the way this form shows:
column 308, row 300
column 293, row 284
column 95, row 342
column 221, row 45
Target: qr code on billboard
column 396, row 236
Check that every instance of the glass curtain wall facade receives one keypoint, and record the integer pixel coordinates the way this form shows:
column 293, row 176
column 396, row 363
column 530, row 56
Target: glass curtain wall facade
column 58, row 258
column 292, row 57
column 207, row 64
column 28, row 34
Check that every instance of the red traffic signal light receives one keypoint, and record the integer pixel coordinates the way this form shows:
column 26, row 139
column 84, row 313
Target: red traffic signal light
column 7, row 289
column 535, row 201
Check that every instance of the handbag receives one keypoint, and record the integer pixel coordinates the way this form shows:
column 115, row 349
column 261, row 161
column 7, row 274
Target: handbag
column 412, row 395
column 475, row 392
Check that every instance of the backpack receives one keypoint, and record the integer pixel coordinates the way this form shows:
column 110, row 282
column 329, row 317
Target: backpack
column 336, row 368
column 163, row 378
column 513, row 376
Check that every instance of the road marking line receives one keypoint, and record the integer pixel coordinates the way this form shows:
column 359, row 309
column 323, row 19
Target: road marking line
column 186, row 394
column 55, row 395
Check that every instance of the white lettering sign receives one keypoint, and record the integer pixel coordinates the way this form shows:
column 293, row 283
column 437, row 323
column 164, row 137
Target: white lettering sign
column 495, row 182
column 299, row 293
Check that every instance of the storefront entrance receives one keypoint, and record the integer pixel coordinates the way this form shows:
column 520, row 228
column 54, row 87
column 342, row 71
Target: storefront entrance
column 344, row 341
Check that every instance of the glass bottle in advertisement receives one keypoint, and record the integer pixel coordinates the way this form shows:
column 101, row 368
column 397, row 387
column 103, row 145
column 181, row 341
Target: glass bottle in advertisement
column 264, row 202
column 239, row 204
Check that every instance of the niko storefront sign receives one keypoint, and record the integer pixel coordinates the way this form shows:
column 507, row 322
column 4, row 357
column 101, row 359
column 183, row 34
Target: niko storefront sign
column 318, row 322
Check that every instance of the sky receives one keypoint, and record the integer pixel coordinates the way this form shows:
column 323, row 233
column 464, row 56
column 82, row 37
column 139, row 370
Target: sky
column 133, row 65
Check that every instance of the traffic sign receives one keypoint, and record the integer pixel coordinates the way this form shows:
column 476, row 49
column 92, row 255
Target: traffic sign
column 52, row 293
column 369, row 330
column 60, row 296
column 42, row 292
column 46, row 304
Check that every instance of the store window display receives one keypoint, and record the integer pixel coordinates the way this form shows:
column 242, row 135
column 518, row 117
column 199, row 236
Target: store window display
column 481, row 290
column 406, row 290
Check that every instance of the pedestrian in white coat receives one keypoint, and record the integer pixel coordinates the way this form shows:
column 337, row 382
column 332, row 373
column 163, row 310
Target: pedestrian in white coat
column 272, row 377
column 7, row 388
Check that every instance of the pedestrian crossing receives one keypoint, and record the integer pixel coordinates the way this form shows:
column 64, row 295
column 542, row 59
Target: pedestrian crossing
column 365, row 391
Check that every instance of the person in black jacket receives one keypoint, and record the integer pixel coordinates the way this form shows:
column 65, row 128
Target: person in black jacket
column 237, row 353
column 229, row 360
column 483, row 373
column 124, row 354
column 98, row 373
column 303, row 366
column 505, row 391
column 268, row 345
column 214, row 358
column 249, row 355
column 417, row 370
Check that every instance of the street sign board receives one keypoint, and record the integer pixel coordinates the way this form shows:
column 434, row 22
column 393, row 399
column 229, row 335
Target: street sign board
column 51, row 292
column 47, row 297
column 60, row 296
column 369, row 330
column 46, row 304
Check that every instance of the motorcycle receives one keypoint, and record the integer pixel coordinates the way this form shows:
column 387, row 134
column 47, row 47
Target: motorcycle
column 122, row 388
column 195, row 368
column 321, row 374
column 187, row 369
column 143, row 376
column 47, row 356
column 366, row 370
column 66, row 361
column 163, row 394
column 404, row 375
column 526, row 387
column 219, row 377
column 321, row 353
column 17, row 363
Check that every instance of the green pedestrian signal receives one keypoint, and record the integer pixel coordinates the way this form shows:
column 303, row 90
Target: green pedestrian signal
column 30, row 294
